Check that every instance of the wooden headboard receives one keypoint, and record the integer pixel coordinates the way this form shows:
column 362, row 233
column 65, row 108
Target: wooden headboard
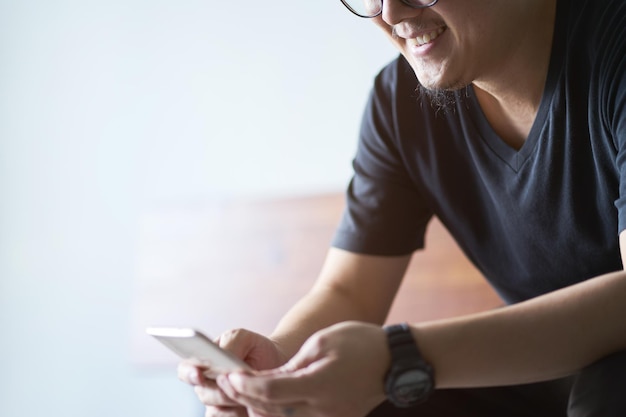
column 243, row 263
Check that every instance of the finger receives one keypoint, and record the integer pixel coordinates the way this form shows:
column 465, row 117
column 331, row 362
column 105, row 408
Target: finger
column 275, row 391
column 254, row 413
column 196, row 372
column 268, row 393
column 278, row 388
column 236, row 341
column 242, row 344
column 212, row 395
column 290, row 383
column 263, row 409
column 190, row 373
column 260, row 408
column 225, row 412
column 311, row 356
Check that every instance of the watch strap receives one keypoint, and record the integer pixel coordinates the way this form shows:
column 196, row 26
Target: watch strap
column 402, row 343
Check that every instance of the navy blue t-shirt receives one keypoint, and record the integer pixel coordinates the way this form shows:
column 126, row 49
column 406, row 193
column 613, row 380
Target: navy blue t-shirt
column 532, row 220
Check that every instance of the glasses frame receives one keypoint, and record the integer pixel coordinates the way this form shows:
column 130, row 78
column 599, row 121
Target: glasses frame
column 406, row 2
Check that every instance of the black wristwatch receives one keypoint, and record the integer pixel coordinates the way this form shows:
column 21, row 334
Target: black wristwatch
column 410, row 380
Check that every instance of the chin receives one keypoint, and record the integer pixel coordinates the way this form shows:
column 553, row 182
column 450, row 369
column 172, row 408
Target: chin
column 437, row 79
column 440, row 83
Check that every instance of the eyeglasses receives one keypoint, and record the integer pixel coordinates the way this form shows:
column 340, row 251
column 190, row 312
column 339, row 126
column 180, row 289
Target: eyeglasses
column 372, row 8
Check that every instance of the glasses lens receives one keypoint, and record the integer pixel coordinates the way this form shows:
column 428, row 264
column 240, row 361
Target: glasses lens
column 364, row 8
column 371, row 8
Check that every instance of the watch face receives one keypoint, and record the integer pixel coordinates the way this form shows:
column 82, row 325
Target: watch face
column 411, row 386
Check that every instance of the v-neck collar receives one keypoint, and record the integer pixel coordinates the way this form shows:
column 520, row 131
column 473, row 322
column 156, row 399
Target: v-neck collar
column 511, row 156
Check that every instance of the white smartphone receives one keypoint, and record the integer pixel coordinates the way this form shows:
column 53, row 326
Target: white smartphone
column 189, row 343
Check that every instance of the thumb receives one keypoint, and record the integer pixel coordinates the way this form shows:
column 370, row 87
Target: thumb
column 311, row 355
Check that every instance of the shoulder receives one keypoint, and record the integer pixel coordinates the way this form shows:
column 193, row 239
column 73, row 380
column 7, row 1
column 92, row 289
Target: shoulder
column 600, row 24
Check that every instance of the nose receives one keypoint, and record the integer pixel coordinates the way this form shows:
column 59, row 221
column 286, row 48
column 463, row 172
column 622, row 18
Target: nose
column 395, row 11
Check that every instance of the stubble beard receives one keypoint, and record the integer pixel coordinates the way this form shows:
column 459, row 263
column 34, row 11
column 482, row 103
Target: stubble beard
column 441, row 99
column 441, row 96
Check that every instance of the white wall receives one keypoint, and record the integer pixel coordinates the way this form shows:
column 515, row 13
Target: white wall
column 110, row 107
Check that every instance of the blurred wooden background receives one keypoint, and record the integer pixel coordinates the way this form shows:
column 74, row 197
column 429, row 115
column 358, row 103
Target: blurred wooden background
column 243, row 263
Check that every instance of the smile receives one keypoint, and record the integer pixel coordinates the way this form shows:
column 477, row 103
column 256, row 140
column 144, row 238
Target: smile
column 425, row 38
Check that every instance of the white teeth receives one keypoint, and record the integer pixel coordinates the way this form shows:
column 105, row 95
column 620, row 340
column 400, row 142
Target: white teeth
column 427, row 37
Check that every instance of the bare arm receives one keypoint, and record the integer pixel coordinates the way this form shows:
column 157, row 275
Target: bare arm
column 350, row 287
column 547, row 337
column 340, row 370
column 550, row 336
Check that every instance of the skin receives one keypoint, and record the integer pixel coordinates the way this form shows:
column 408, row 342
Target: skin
column 349, row 288
column 315, row 367
column 506, row 63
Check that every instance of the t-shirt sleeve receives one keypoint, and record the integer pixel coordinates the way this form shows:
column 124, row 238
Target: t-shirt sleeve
column 615, row 93
column 385, row 214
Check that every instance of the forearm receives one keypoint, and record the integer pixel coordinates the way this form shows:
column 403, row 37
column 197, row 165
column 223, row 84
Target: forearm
column 544, row 338
column 350, row 287
column 319, row 309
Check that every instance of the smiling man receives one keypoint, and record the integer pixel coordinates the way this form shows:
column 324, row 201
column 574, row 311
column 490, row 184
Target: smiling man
column 507, row 121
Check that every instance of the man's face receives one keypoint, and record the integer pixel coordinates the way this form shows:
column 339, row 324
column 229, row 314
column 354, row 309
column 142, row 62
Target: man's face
column 455, row 42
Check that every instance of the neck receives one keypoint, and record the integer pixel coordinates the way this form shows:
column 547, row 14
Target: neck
column 511, row 93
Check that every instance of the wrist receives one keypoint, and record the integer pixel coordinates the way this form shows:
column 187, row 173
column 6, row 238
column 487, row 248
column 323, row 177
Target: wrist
column 410, row 378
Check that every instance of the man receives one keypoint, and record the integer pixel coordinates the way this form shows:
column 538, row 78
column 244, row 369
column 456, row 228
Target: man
column 507, row 120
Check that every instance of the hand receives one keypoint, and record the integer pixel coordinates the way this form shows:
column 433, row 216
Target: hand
column 256, row 350
column 339, row 371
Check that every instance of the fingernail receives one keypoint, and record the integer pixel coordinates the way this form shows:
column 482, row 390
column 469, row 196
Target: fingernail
column 236, row 380
column 193, row 377
column 222, row 381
